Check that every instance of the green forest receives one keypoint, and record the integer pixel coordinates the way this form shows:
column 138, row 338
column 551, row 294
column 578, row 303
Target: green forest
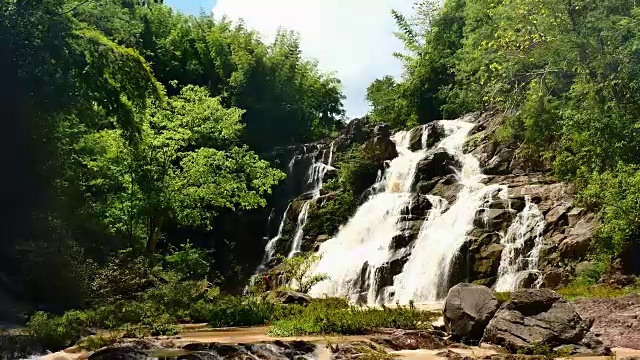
column 136, row 142
column 132, row 127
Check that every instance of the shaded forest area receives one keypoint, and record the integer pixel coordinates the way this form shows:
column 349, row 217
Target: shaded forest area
column 131, row 131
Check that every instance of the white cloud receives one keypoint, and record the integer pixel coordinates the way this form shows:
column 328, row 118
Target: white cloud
column 351, row 37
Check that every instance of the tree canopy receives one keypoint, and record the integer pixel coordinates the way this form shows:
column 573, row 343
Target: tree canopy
column 127, row 125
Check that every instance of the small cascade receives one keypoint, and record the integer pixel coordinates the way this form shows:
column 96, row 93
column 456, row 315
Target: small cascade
column 362, row 245
column 426, row 274
column 522, row 242
column 330, row 161
column 314, row 182
column 271, row 245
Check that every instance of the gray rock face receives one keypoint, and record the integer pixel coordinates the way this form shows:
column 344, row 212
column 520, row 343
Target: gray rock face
column 468, row 309
column 533, row 317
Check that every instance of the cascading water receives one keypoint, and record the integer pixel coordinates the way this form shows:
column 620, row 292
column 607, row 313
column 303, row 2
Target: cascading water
column 271, row 245
column 517, row 262
column 362, row 245
column 330, row 161
column 312, row 185
column 314, row 178
column 425, row 275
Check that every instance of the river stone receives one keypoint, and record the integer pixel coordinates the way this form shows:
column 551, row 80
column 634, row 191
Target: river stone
column 533, row 317
column 127, row 352
column 468, row 309
column 398, row 340
column 273, row 350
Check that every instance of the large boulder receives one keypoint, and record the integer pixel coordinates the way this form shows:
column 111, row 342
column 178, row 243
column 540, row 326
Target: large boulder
column 535, row 317
column 288, row 297
column 426, row 136
column 468, row 309
column 437, row 163
column 382, row 142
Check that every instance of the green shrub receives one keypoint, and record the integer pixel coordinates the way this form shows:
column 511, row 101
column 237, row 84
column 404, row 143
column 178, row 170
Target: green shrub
column 295, row 271
column 59, row 332
column 238, row 311
column 189, row 262
column 503, row 297
column 615, row 194
column 95, row 342
column 350, row 321
column 125, row 277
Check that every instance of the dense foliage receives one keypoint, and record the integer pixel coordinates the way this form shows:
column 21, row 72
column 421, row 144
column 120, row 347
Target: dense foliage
column 130, row 126
column 566, row 73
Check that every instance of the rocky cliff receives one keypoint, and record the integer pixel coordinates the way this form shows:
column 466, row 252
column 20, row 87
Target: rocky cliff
column 526, row 214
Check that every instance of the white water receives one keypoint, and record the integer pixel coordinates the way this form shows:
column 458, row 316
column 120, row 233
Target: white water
column 364, row 241
column 314, row 178
column 330, row 161
column 302, row 221
column 526, row 230
column 425, row 274
column 271, row 245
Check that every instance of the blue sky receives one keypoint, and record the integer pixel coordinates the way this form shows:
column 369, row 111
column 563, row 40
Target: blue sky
column 192, row 6
column 353, row 38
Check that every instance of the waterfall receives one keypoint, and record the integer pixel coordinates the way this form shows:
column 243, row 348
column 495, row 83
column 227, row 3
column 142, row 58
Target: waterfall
column 525, row 231
column 271, row 245
column 362, row 245
column 425, row 275
column 315, row 176
column 312, row 185
column 330, row 161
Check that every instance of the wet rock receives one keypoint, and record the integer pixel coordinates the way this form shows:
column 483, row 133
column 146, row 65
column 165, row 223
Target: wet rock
column 493, row 219
column 410, row 340
column 450, row 354
column 485, row 252
column 434, row 134
column 385, row 273
column 401, row 240
column 288, row 297
column 540, row 316
column 447, row 188
column 357, row 350
column 125, row 352
column 274, row 350
column 18, row 346
column 437, row 163
column 419, row 205
column 468, row 309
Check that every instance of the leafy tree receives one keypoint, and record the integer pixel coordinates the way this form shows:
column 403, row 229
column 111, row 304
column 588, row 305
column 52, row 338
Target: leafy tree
column 295, row 271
